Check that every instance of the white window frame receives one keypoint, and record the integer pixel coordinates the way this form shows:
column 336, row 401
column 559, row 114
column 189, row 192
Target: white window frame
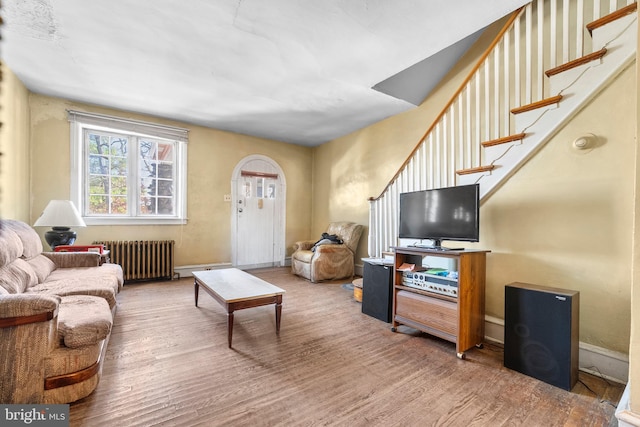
column 80, row 121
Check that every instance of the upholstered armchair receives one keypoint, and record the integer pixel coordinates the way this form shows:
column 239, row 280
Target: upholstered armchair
column 327, row 261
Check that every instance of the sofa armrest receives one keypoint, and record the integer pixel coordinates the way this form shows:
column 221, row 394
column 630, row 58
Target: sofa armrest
column 73, row 259
column 27, row 335
column 22, row 309
column 303, row 245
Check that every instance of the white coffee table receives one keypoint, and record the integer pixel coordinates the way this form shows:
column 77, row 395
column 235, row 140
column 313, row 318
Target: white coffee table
column 235, row 289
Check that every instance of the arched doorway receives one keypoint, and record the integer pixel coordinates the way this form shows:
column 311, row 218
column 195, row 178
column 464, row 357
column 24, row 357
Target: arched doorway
column 258, row 200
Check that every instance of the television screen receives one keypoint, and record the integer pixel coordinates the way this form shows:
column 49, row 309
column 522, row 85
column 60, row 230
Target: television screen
column 451, row 213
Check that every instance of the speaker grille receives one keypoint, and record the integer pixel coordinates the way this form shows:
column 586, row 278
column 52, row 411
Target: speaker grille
column 541, row 333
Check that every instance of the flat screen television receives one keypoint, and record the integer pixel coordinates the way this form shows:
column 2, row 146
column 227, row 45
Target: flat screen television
column 451, row 213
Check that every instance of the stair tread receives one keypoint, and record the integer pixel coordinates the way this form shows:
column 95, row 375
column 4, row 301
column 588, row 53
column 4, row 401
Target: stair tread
column 620, row 13
column 535, row 105
column 577, row 62
column 504, row 140
column 475, row 170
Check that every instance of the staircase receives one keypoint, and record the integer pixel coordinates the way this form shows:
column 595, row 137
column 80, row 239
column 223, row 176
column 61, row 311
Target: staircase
column 551, row 58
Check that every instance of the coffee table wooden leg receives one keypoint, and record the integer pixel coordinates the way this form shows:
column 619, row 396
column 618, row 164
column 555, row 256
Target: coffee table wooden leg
column 229, row 326
column 196, row 288
column 278, row 312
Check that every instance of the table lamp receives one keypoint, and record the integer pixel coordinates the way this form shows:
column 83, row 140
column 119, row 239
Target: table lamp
column 60, row 215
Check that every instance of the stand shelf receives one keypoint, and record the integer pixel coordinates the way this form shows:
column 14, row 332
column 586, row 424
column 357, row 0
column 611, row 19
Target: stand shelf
column 458, row 319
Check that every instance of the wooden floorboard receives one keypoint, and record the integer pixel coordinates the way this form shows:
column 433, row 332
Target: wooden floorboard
column 168, row 364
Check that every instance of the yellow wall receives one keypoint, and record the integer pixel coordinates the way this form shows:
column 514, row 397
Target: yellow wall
column 212, row 156
column 564, row 220
column 634, row 346
column 14, row 145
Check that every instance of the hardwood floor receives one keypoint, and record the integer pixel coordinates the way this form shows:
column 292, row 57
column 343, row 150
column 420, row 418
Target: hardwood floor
column 168, row 364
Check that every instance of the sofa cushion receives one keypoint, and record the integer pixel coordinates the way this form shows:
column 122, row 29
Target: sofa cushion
column 42, row 266
column 31, row 243
column 108, row 270
column 10, row 245
column 16, row 277
column 115, row 270
column 83, row 320
column 104, row 287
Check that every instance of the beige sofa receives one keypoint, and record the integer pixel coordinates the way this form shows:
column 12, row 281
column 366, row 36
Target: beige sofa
column 56, row 313
column 328, row 261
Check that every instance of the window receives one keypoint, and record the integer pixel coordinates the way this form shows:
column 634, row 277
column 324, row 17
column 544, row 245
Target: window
column 127, row 172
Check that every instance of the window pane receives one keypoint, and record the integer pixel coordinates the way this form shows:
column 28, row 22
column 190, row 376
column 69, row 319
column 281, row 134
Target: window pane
column 271, row 191
column 165, row 170
column 118, row 146
column 119, row 186
column 147, row 170
column 98, row 185
column 118, row 205
column 119, row 166
column 97, row 143
column 99, row 165
column 165, row 152
column 107, row 169
column 165, row 206
column 147, row 187
column 165, row 188
column 148, row 149
column 259, row 187
column 98, row 205
column 92, row 143
column 147, row 205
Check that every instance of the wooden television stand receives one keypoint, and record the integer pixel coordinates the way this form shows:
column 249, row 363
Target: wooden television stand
column 456, row 318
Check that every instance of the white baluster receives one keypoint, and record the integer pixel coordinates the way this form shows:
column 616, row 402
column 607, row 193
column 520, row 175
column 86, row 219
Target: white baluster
column 553, row 32
column 540, row 68
column 580, row 28
column 527, row 55
column 565, row 31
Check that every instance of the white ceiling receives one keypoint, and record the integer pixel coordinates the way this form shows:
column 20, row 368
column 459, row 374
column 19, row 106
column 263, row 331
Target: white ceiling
column 298, row 71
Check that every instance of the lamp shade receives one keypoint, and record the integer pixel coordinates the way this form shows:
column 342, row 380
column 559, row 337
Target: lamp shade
column 60, row 213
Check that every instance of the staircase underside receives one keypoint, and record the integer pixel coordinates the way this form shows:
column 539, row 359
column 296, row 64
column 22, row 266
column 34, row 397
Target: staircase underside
column 573, row 86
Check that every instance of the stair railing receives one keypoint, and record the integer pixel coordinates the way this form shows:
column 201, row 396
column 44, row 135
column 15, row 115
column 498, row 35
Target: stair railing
column 510, row 74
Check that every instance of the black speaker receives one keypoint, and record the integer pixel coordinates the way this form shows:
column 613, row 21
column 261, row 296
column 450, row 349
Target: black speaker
column 541, row 333
column 377, row 285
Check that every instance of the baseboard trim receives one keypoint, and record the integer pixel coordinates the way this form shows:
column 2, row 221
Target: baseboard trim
column 358, row 270
column 599, row 361
column 187, row 270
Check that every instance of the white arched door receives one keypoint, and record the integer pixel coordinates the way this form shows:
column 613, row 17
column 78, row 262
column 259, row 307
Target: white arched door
column 258, row 213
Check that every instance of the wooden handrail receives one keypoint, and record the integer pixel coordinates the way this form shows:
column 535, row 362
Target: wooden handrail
column 473, row 71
